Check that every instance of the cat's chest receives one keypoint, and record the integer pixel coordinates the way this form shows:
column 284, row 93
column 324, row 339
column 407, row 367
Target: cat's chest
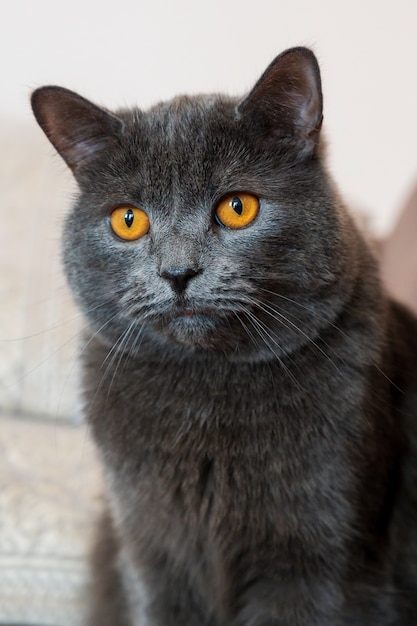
column 186, row 435
column 160, row 405
column 163, row 404
column 196, row 455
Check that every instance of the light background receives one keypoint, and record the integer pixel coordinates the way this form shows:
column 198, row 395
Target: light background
column 133, row 52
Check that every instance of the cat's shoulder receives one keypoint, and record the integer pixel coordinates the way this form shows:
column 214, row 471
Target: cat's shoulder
column 403, row 327
column 402, row 339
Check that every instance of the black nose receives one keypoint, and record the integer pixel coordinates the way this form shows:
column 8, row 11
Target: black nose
column 179, row 277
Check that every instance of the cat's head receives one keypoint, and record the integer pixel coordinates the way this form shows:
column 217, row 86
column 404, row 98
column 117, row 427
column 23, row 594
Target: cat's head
column 207, row 221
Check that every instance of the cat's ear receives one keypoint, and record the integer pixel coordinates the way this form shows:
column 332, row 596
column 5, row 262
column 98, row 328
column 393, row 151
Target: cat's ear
column 79, row 130
column 287, row 99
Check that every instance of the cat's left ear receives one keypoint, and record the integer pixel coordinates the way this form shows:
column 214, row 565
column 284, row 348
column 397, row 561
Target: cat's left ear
column 78, row 129
column 287, row 100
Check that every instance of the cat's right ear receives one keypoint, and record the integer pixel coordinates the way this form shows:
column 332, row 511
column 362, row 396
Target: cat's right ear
column 79, row 130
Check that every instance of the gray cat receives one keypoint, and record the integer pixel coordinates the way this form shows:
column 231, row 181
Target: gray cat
column 251, row 389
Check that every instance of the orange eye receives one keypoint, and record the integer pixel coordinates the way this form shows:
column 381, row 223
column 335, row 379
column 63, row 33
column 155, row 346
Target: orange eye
column 129, row 223
column 237, row 211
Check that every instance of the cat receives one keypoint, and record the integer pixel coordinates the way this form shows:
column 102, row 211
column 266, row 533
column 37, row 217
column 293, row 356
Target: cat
column 251, row 389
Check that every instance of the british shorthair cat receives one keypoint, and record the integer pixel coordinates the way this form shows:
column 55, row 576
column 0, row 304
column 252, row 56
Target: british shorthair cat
column 251, row 389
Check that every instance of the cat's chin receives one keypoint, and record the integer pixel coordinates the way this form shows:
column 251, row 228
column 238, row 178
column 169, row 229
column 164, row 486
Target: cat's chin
column 204, row 332
column 193, row 330
column 196, row 329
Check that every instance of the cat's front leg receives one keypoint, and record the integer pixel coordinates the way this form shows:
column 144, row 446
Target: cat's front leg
column 173, row 598
column 176, row 607
column 290, row 602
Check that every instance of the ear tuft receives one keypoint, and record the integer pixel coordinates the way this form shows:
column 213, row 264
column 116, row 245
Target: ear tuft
column 287, row 100
column 78, row 129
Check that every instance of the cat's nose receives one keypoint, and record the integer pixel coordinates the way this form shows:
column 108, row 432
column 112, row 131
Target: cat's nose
column 179, row 277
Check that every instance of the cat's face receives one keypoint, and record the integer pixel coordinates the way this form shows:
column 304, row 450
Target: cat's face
column 203, row 221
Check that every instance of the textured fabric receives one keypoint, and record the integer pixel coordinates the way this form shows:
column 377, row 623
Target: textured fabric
column 49, row 498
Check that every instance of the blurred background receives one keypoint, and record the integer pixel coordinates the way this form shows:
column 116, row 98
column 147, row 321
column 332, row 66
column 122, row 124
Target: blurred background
column 129, row 53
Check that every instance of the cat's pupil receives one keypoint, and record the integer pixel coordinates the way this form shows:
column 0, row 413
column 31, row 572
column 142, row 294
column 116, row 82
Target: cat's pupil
column 237, row 205
column 129, row 217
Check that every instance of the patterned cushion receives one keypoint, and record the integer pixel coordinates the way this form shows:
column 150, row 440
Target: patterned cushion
column 49, row 498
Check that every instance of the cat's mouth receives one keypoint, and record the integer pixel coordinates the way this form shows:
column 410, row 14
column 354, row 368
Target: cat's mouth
column 204, row 325
column 193, row 319
column 191, row 325
column 208, row 328
column 191, row 312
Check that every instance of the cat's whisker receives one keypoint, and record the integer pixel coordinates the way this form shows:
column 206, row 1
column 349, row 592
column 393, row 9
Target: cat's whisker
column 246, row 329
column 280, row 317
column 78, row 354
column 310, row 309
column 75, row 315
column 115, row 366
column 253, row 338
column 335, row 327
column 113, row 351
column 266, row 337
column 136, row 343
column 111, row 356
column 18, row 380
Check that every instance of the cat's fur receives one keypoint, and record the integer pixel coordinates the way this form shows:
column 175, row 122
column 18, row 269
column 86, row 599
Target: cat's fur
column 257, row 423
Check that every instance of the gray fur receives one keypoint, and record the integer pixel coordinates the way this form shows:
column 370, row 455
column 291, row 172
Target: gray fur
column 260, row 454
